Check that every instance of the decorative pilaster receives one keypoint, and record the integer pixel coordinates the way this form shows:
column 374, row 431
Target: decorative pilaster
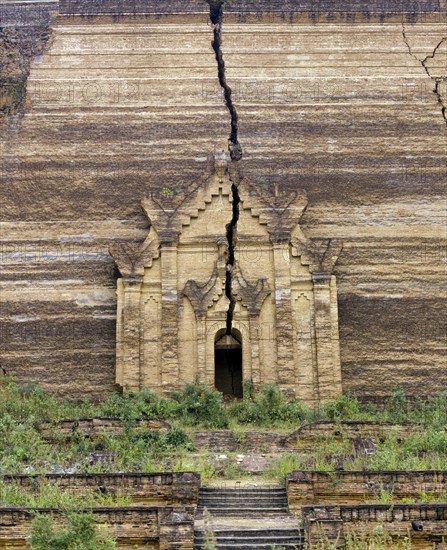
column 129, row 334
column 252, row 296
column 131, row 259
column 328, row 370
column 284, row 319
column 202, row 297
column 169, row 308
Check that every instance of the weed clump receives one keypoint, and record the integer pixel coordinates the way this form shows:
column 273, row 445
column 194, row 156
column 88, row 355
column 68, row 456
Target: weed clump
column 268, row 407
column 79, row 531
column 199, row 405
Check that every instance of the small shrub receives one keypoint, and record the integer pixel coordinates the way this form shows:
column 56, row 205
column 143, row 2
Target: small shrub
column 397, row 406
column 138, row 404
column 267, row 407
column 284, row 466
column 210, row 537
column 344, row 408
column 79, row 532
column 199, row 405
column 48, row 494
column 384, row 496
column 377, row 539
column 430, row 440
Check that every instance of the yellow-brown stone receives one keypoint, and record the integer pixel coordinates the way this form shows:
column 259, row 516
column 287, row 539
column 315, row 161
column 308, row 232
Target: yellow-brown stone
column 335, row 100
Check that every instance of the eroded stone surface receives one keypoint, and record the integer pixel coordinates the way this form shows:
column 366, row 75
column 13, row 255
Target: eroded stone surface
column 338, row 104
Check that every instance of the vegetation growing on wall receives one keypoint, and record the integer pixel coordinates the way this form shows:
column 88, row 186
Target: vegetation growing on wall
column 79, row 532
column 24, row 410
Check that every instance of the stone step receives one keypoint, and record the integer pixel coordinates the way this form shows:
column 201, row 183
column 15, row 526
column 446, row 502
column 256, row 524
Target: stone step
column 205, row 503
column 233, row 498
column 252, row 533
column 252, row 538
column 243, row 512
column 257, row 546
column 211, row 505
column 244, row 489
column 244, row 501
column 243, row 494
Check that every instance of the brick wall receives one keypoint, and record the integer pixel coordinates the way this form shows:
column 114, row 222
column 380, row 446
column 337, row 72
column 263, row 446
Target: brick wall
column 304, row 488
column 325, row 524
column 310, row 433
column 150, row 528
column 24, row 32
column 159, row 489
column 382, row 8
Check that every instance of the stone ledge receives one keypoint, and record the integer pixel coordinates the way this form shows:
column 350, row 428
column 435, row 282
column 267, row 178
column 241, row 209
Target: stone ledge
column 148, row 489
column 329, row 524
column 159, row 528
column 310, row 433
column 305, row 488
column 94, row 427
column 375, row 7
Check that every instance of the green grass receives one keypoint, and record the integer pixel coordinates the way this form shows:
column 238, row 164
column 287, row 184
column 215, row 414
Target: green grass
column 47, row 494
column 78, row 532
column 24, row 409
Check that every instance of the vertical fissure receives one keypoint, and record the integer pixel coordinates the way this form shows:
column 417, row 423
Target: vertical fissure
column 216, row 17
column 436, row 79
column 231, row 238
column 235, row 150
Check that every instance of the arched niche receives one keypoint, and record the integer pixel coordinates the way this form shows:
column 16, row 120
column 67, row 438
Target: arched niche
column 228, row 368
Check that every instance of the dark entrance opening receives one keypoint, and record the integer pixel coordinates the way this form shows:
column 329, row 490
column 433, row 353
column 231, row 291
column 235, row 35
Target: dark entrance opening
column 228, row 365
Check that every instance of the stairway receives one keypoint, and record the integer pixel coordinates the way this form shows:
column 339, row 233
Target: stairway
column 246, row 517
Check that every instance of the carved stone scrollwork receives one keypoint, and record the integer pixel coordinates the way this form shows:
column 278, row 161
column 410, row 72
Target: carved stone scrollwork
column 320, row 255
column 203, row 296
column 253, row 295
column 281, row 212
column 131, row 258
column 169, row 210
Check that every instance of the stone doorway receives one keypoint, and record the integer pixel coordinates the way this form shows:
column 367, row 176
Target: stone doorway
column 228, row 365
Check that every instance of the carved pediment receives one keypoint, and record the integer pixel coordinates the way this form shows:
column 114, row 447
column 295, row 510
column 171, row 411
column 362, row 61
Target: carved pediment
column 131, row 257
column 203, row 295
column 252, row 295
column 320, row 255
column 281, row 212
column 167, row 213
column 231, row 259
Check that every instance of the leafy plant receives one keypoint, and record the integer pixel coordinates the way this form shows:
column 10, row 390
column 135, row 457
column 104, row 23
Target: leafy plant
column 47, row 494
column 378, row 539
column 280, row 468
column 198, row 404
column 210, row 537
column 79, row 532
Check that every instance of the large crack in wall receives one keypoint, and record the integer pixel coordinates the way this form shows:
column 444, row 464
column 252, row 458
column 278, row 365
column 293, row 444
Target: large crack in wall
column 234, row 147
column 231, row 238
column 438, row 80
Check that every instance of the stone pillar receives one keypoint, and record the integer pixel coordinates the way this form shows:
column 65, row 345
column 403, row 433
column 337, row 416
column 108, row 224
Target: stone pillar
column 176, row 527
column 335, row 335
column 169, row 317
column 201, row 347
column 329, row 386
column 151, row 341
column 120, row 363
column 255, row 335
column 284, row 319
column 306, row 387
column 129, row 334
